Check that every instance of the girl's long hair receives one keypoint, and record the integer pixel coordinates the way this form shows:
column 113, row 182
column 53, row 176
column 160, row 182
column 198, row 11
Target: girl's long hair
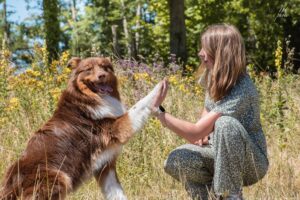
column 225, row 46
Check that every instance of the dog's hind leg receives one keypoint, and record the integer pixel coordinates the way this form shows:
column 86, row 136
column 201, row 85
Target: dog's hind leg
column 8, row 196
column 44, row 192
column 110, row 185
column 51, row 184
column 10, row 186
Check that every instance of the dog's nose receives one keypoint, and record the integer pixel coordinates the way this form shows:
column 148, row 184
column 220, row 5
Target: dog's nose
column 102, row 76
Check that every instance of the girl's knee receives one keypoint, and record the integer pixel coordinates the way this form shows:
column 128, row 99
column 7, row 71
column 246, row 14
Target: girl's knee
column 173, row 163
column 226, row 121
column 179, row 162
column 190, row 162
column 227, row 125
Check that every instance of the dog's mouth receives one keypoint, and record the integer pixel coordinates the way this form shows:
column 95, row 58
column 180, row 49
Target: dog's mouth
column 105, row 89
column 101, row 88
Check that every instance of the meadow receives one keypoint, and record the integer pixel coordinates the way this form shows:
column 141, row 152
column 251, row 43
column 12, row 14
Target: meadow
column 28, row 99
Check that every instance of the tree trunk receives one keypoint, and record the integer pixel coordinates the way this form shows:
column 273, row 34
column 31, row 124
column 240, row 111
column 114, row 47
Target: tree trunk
column 295, row 42
column 75, row 50
column 177, row 30
column 6, row 38
column 52, row 30
column 137, row 34
column 291, row 34
column 115, row 40
column 125, row 27
column 74, row 10
column 103, row 9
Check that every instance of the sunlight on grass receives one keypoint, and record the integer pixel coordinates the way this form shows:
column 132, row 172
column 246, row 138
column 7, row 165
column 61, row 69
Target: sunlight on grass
column 28, row 100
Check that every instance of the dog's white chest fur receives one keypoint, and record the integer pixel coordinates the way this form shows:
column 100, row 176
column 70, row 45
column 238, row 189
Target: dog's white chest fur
column 111, row 108
column 100, row 159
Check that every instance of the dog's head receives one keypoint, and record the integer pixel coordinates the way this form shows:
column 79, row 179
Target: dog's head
column 93, row 77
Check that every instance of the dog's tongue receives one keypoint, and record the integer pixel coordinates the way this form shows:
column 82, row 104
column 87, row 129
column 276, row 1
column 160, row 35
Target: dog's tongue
column 105, row 88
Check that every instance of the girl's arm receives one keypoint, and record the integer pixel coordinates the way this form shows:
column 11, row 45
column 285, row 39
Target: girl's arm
column 204, row 112
column 205, row 140
column 190, row 131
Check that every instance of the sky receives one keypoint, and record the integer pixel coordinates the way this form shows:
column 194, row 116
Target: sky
column 19, row 9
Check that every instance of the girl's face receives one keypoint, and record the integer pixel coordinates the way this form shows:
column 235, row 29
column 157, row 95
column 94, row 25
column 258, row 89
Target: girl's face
column 206, row 59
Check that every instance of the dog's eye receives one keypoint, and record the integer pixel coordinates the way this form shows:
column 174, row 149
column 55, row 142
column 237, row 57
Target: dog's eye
column 89, row 69
column 108, row 68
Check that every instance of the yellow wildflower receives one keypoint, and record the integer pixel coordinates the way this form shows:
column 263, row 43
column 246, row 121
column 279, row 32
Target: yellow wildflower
column 142, row 76
column 122, row 79
column 55, row 93
column 64, row 57
column 3, row 120
column 53, row 66
column 173, row 79
column 278, row 58
column 6, row 54
column 189, row 68
column 251, row 70
column 40, row 84
column 198, row 90
column 30, row 82
column 155, row 123
column 33, row 73
column 13, row 104
column 45, row 54
column 182, row 88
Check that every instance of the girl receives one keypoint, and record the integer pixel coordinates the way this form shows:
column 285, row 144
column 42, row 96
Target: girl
column 236, row 155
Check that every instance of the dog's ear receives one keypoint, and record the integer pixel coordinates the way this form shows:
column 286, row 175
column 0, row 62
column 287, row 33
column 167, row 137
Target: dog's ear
column 109, row 63
column 73, row 62
column 108, row 58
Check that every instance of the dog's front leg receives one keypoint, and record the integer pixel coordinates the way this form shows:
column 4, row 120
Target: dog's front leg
column 140, row 112
column 110, row 185
column 125, row 126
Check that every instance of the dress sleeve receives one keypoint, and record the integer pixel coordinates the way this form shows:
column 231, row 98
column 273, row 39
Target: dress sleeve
column 207, row 103
column 232, row 105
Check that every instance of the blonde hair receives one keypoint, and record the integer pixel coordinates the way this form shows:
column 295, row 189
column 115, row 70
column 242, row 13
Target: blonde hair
column 225, row 46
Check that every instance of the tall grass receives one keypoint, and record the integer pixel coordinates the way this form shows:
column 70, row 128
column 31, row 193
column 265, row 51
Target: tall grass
column 28, row 100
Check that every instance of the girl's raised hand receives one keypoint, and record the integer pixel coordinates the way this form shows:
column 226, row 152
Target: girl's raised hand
column 162, row 94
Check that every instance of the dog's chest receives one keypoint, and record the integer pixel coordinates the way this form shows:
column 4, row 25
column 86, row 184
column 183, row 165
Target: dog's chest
column 110, row 108
column 102, row 157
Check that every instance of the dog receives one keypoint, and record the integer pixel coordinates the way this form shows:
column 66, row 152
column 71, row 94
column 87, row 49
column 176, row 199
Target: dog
column 82, row 139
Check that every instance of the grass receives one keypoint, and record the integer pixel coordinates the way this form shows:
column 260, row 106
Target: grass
column 140, row 166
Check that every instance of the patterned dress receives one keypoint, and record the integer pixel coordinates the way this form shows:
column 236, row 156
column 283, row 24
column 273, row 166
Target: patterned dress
column 237, row 153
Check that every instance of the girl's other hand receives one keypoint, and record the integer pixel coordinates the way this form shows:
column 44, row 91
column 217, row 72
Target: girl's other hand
column 203, row 141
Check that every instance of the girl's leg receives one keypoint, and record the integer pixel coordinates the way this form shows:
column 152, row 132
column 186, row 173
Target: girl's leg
column 199, row 191
column 193, row 165
column 237, row 158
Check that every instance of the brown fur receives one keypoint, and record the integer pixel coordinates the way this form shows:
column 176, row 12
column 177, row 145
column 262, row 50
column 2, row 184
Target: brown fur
column 60, row 155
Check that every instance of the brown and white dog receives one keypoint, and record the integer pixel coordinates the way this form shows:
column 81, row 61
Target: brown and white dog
column 82, row 139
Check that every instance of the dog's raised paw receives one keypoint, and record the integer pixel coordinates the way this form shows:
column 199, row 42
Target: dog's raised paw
column 140, row 112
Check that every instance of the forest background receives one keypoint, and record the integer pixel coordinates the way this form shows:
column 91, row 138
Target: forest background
column 146, row 30
column 148, row 40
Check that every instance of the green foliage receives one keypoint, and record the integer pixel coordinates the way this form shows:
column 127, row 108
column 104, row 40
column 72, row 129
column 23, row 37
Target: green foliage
column 199, row 15
column 88, row 30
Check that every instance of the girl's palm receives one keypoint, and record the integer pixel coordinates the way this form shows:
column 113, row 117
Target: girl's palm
column 162, row 94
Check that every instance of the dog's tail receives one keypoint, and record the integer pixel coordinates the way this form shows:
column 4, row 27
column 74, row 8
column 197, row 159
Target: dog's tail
column 10, row 186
